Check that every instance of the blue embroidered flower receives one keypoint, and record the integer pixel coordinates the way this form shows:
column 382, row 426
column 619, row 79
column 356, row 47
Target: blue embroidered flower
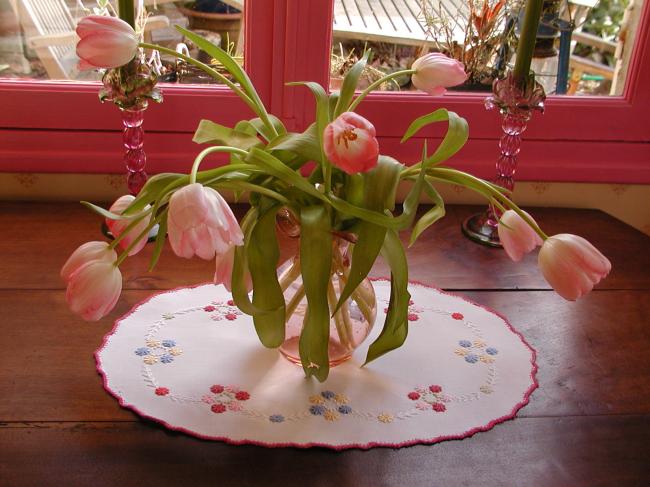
column 165, row 359
column 465, row 343
column 345, row 409
column 276, row 418
column 471, row 358
column 168, row 343
column 317, row 410
column 328, row 394
column 491, row 351
column 142, row 351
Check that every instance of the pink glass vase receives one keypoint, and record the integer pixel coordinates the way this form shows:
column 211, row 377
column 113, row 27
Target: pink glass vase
column 516, row 105
column 135, row 158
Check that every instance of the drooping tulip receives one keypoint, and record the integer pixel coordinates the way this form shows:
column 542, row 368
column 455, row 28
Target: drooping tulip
column 349, row 143
column 434, row 72
column 201, row 222
column 93, row 289
column 85, row 253
column 572, row 265
column 105, row 42
column 118, row 226
column 516, row 236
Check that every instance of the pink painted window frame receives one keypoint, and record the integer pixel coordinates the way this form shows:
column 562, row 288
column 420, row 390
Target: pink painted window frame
column 60, row 126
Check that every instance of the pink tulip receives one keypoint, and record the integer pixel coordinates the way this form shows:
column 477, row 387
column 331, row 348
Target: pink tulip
column 87, row 252
column 93, row 289
column 105, row 42
column 201, row 222
column 349, row 143
column 118, row 226
column 434, row 72
column 517, row 237
column 571, row 265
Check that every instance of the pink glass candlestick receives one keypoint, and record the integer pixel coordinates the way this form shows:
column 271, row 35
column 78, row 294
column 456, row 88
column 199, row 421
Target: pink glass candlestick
column 134, row 157
column 516, row 105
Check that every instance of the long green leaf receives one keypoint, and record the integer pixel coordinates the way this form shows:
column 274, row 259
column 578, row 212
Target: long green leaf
column 315, row 262
column 240, row 267
column 110, row 215
column 305, row 144
column 151, row 191
column 209, row 132
column 431, row 216
column 381, row 185
column 263, row 253
column 350, row 83
column 454, row 140
column 395, row 329
column 160, row 241
column 264, row 131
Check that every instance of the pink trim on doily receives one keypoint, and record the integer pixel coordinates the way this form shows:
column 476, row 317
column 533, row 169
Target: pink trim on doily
column 362, row 446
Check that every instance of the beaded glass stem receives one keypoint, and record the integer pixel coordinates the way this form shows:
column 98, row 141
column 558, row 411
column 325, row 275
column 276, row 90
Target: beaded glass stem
column 516, row 105
column 134, row 155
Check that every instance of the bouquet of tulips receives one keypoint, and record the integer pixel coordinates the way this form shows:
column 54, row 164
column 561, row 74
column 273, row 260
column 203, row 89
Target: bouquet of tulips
column 350, row 190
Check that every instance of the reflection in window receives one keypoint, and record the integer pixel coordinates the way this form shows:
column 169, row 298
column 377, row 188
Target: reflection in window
column 37, row 37
column 587, row 34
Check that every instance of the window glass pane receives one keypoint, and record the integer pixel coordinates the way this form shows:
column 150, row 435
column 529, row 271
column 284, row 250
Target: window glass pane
column 594, row 37
column 37, row 37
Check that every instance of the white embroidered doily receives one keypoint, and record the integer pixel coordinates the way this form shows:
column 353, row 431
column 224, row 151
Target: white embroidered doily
column 189, row 359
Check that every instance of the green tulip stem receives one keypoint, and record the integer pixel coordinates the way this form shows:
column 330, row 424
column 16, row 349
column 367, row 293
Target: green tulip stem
column 128, row 228
column 338, row 319
column 527, row 37
column 126, row 11
column 377, row 83
column 294, row 302
column 210, row 150
column 143, row 234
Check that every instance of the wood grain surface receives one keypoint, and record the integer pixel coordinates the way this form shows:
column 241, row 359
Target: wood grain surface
column 587, row 424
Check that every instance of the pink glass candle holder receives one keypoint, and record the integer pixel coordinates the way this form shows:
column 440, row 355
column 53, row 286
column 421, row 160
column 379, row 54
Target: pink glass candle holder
column 135, row 158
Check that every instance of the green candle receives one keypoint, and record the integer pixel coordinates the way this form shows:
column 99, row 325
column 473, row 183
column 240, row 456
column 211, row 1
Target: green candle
column 127, row 11
column 527, row 37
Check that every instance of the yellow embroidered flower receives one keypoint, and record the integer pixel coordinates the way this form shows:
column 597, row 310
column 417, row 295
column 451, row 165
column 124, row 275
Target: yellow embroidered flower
column 316, row 399
column 341, row 399
column 150, row 359
column 330, row 415
column 486, row 389
column 385, row 418
column 479, row 343
column 153, row 343
column 460, row 351
column 486, row 359
column 175, row 351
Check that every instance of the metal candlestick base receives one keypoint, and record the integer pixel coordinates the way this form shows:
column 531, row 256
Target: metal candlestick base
column 482, row 228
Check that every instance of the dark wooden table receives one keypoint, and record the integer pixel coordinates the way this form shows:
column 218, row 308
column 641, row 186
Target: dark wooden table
column 587, row 424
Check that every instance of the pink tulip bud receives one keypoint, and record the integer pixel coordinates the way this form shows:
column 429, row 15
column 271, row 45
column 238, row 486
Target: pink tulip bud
column 201, row 222
column 517, row 238
column 118, row 226
column 349, row 143
column 93, row 289
column 571, row 265
column 434, row 72
column 86, row 253
column 105, row 42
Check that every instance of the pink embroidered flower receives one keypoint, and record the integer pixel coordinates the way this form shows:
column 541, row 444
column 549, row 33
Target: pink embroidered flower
column 85, row 253
column 218, row 408
column 434, row 72
column 93, row 289
column 422, row 406
column 209, row 308
column 161, row 391
column 413, row 396
column 413, row 317
column 117, row 227
column 217, row 389
column 516, row 236
column 232, row 389
column 438, row 407
column 230, row 302
column 234, row 406
column 105, row 42
column 457, row 316
column 200, row 222
column 571, row 265
column 349, row 143
column 435, row 389
column 242, row 396
column 231, row 316
column 207, row 399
